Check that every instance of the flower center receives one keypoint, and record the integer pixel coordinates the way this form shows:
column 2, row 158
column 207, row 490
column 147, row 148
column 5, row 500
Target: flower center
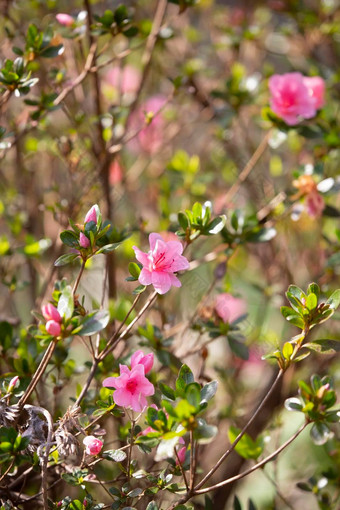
column 131, row 386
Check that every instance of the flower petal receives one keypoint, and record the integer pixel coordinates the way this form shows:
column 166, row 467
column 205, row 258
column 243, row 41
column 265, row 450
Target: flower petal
column 161, row 281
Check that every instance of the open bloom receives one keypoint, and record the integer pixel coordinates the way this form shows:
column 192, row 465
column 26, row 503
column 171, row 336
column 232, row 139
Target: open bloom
column 151, row 137
column 131, row 387
column 290, row 98
column 64, row 19
column 53, row 328
column 229, row 308
column 316, row 89
column 91, row 215
column 93, row 445
column 160, row 263
column 50, row 313
column 138, row 358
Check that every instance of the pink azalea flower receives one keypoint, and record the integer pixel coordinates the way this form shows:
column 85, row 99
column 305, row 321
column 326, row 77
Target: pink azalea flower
column 93, row 445
column 126, row 79
column 91, row 215
column 131, row 387
column 83, row 240
column 64, row 19
column 13, row 383
column 53, row 328
column 315, row 204
column 50, row 313
column 138, row 358
column 316, row 89
column 160, row 263
column 115, row 173
column 290, row 98
column 229, row 308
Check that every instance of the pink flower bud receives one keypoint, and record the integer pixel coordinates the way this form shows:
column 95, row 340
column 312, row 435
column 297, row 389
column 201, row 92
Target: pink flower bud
column 64, row 19
column 50, row 313
column 91, row 215
column 13, row 383
column 138, row 358
column 84, row 241
column 181, row 455
column 53, row 328
column 315, row 204
column 93, row 445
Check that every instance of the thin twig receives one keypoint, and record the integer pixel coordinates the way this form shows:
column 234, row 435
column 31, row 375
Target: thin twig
column 241, row 434
column 76, row 283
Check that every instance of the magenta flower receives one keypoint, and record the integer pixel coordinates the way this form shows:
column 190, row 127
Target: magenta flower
column 316, row 89
column 290, row 98
column 229, row 308
column 131, row 387
column 83, row 240
column 53, row 328
column 64, row 19
column 315, row 204
column 93, row 445
column 138, row 358
column 160, row 263
column 50, row 313
column 91, row 215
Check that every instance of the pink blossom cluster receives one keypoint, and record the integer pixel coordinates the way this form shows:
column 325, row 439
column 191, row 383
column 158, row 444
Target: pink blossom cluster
column 53, row 318
column 295, row 97
column 93, row 445
column 160, row 263
column 132, row 387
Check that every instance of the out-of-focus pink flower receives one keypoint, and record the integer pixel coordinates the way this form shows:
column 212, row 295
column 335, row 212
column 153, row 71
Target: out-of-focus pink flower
column 181, row 455
column 160, row 263
column 228, row 307
column 290, row 98
column 315, row 204
column 83, row 240
column 126, row 79
column 53, row 328
column 91, row 215
column 15, row 381
column 316, row 89
column 151, row 137
column 131, row 387
column 64, row 19
column 50, row 313
column 115, row 173
column 93, row 445
column 237, row 16
column 138, row 358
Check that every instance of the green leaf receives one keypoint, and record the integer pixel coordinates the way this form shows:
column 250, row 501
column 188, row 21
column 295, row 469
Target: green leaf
column 152, row 506
column 261, row 236
column 66, row 303
column 193, row 394
column 69, row 238
column 108, row 248
column 287, row 350
column 320, row 433
column 139, row 289
column 293, row 404
column 204, row 432
column 63, row 260
column 334, row 300
column 94, row 322
column 215, row 226
column 324, row 346
column 236, row 504
column 167, row 391
column 185, row 377
column 208, row 392
column 134, row 270
column 246, row 447
column 183, row 220
column 115, row 455
column 52, row 51
column 238, row 348
column 311, row 301
column 313, row 288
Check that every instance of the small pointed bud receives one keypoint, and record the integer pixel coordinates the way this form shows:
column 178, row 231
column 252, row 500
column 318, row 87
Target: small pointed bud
column 91, row 215
column 84, row 241
column 64, row 19
column 13, row 383
column 50, row 313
